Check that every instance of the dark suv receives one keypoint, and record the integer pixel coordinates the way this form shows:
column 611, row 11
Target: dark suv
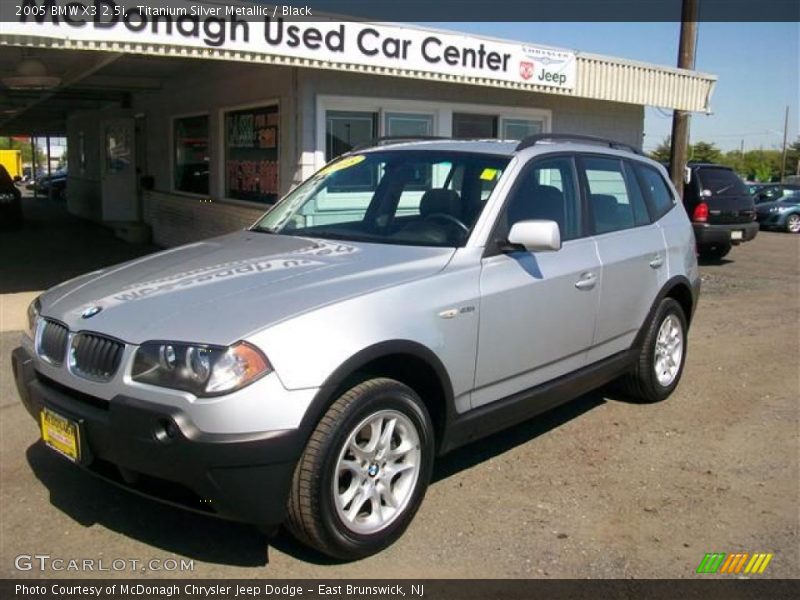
column 720, row 207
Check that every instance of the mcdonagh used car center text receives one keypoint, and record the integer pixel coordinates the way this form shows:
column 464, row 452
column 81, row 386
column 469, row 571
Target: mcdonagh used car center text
column 190, row 120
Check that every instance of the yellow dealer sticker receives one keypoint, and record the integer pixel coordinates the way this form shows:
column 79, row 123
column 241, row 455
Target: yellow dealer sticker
column 488, row 174
column 345, row 163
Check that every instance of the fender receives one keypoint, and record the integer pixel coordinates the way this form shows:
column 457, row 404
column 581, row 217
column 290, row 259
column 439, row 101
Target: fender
column 336, row 381
column 671, row 284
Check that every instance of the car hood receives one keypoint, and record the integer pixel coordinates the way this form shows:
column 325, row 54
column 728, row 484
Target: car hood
column 221, row 290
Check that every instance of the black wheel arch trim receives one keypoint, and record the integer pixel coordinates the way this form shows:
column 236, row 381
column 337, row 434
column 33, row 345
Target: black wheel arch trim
column 337, row 380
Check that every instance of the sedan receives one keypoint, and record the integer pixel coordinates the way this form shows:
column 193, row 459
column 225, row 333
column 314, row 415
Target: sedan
column 783, row 214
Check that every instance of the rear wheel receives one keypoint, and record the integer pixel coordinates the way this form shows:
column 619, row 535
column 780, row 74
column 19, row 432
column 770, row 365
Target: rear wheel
column 714, row 251
column 661, row 358
column 793, row 223
column 364, row 471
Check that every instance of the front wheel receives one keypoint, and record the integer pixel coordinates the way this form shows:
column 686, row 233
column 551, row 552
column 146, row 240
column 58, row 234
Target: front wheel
column 364, row 471
column 661, row 357
column 793, row 223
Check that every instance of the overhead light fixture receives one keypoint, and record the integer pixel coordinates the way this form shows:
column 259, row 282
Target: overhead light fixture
column 31, row 74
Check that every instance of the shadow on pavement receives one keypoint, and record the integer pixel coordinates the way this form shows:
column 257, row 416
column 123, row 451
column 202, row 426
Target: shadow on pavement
column 91, row 501
column 507, row 439
column 713, row 262
column 53, row 246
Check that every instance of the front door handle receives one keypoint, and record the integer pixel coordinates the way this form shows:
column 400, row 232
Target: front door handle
column 657, row 261
column 586, row 282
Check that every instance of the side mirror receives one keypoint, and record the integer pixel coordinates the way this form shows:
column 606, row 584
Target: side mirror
column 536, row 236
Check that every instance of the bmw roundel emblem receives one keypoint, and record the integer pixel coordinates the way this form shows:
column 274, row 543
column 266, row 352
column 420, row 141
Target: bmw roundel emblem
column 91, row 311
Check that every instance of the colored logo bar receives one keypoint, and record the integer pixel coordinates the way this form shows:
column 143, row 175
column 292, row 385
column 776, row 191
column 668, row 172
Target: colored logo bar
column 740, row 562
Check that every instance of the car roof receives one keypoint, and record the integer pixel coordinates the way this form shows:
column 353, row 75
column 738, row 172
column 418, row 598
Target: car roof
column 507, row 148
column 498, row 147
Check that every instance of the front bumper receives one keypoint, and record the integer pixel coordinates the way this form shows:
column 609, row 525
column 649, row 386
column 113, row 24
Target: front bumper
column 243, row 477
column 709, row 234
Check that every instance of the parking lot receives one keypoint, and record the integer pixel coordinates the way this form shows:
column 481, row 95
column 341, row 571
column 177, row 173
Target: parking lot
column 597, row 488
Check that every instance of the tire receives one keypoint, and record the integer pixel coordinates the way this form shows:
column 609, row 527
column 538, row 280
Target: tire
column 324, row 511
column 714, row 252
column 793, row 223
column 652, row 380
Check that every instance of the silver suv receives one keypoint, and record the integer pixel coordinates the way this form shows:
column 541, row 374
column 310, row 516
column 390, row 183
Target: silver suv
column 408, row 298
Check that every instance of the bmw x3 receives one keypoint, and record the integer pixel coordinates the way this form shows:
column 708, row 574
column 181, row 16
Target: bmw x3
column 408, row 298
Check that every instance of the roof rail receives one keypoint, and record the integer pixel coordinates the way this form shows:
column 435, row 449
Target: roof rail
column 532, row 140
column 395, row 139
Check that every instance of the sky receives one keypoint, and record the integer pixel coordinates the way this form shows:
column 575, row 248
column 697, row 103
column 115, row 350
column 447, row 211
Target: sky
column 756, row 63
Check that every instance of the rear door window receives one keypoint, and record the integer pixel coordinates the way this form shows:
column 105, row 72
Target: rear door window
column 613, row 206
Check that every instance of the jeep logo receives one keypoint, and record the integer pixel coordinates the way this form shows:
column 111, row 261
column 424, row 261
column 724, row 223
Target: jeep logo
column 555, row 78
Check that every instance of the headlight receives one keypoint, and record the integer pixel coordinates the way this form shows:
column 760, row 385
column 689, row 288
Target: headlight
column 197, row 368
column 34, row 308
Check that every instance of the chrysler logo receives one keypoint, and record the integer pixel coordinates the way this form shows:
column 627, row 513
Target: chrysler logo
column 91, row 311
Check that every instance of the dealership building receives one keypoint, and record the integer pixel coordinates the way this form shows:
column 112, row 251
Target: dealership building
column 180, row 127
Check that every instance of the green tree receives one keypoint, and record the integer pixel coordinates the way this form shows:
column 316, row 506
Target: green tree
column 763, row 172
column 704, row 152
column 793, row 158
column 662, row 151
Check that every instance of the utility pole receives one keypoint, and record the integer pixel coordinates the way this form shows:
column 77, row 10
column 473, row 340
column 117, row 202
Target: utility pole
column 785, row 135
column 680, row 118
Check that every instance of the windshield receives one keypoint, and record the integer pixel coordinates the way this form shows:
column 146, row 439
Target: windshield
column 721, row 182
column 427, row 198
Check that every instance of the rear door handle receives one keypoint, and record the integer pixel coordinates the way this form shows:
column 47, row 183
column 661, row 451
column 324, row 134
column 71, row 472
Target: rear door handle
column 657, row 261
column 586, row 282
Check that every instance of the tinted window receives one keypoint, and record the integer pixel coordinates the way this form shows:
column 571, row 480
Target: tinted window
column 720, row 182
column 613, row 206
column 640, row 214
column 546, row 191
column 656, row 188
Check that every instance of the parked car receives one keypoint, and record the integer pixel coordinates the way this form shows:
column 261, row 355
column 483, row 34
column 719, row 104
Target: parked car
column 308, row 370
column 720, row 207
column 772, row 192
column 782, row 214
column 56, row 180
column 10, row 201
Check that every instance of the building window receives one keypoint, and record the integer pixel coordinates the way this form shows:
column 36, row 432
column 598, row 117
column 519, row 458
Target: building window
column 190, row 135
column 347, row 129
column 466, row 126
column 409, row 125
column 251, row 154
column 519, row 129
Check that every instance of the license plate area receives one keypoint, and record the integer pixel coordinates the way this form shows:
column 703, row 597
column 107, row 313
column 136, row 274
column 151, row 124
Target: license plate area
column 61, row 434
column 737, row 235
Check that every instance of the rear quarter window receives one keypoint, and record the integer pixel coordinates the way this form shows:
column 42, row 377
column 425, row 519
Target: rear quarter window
column 656, row 188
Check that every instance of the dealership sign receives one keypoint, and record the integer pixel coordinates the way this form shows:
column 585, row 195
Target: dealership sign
column 274, row 31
